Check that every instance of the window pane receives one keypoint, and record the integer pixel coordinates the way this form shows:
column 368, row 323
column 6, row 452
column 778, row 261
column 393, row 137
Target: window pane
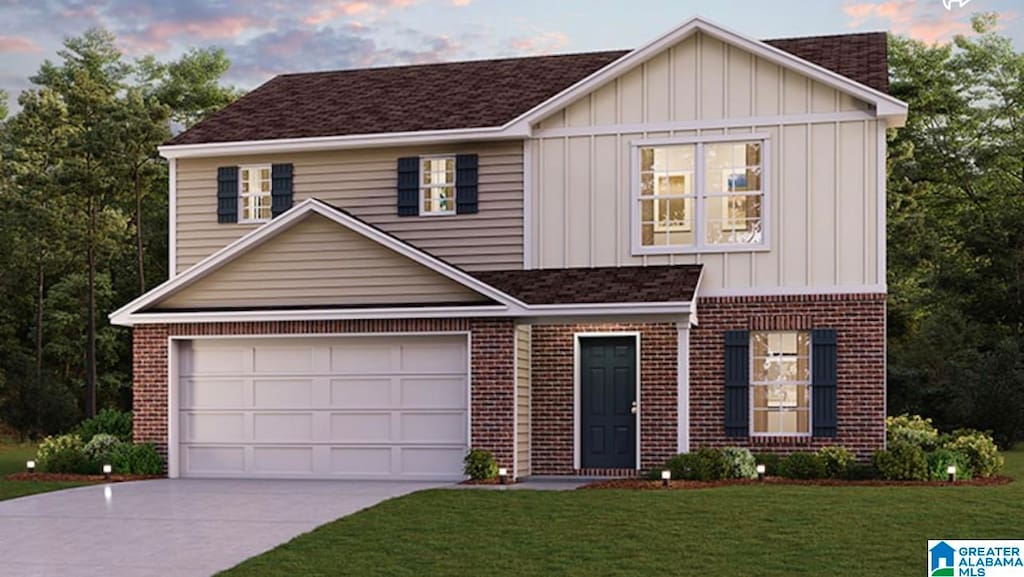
column 646, row 184
column 647, row 210
column 647, row 234
column 733, row 219
column 646, row 159
column 265, row 173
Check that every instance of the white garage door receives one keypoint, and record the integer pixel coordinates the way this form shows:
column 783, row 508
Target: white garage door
column 347, row 407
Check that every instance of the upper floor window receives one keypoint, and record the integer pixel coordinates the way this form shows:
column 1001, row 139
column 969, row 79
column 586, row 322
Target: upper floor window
column 699, row 196
column 780, row 383
column 437, row 185
column 254, row 193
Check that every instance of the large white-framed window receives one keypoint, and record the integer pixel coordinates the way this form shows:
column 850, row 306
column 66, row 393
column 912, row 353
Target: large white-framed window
column 780, row 383
column 254, row 198
column 437, row 185
column 700, row 194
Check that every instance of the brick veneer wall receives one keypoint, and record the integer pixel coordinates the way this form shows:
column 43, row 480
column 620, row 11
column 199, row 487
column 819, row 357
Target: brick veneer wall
column 492, row 371
column 859, row 320
column 552, row 393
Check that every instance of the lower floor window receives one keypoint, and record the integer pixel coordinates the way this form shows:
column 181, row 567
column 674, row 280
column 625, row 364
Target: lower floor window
column 780, row 385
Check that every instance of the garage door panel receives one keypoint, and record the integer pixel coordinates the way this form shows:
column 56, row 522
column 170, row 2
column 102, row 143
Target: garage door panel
column 214, row 460
column 213, row 427
column 283, row 359
column 213, row 393
column 433, row 427
column 433, row 392
column 361, row 427
column 282, row 460
column 282, row 393
column 332, row 407
column 282, row 427
column 361, row 392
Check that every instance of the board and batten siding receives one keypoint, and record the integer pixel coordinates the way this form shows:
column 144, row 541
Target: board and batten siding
column 364, row 182
column 523, row 335
column 319, row 262
column 823, row 214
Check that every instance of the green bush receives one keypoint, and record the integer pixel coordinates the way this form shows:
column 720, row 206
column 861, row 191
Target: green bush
column 771, row 462
column 862, row 472
column 902, row 462
column 802, row 465
column 710, row 465
column 742, row 464
column 141, row 459
column 680, row 465
column 939, row 461
column 980, row 450
column 101, row 447
column 64, row 454
column 836, row 461
column 479, row 465
column 911, row 429
column 107, row 422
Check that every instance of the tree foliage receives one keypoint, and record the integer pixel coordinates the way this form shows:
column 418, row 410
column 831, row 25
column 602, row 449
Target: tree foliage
column 85, row 220
column 956, row 240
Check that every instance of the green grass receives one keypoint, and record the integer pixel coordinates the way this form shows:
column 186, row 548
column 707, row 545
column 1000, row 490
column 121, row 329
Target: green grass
column 741, row 530
column 12, row 460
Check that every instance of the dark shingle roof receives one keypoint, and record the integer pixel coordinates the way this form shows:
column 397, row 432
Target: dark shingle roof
column 456, row 95
column 597, row 285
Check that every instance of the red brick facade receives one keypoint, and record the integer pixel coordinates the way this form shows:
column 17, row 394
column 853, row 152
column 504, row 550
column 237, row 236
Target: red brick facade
column 493, row 377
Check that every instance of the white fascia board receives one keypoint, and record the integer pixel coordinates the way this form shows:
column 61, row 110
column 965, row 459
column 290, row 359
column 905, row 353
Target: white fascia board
column 355, row 141
column 278, row 225
column 885, row 105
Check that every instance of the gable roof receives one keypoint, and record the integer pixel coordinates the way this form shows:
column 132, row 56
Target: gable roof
column 489, row 94
column 676, row 283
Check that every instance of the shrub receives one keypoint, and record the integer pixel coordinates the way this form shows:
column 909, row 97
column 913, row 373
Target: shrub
column 801, row 465
column 480, row 465
column 939, row 461
column 681, row 466
column 107, row 422
column 980, row 450
column 709, row 465
column 771, row 463
column 862, row 472
column 913, row 430
column 742, row 464
column 64, row 454
column 902, row 462
column 101, row 448
column 836, row 461
column 141, row 459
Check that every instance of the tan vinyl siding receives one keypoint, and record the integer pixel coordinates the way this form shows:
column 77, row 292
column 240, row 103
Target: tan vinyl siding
column 822, row 199
column 364, row 182
column 319, row 262
column 523, row 334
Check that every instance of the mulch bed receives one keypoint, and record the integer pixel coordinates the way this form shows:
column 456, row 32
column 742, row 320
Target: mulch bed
column 648, row 485
column 44, row 477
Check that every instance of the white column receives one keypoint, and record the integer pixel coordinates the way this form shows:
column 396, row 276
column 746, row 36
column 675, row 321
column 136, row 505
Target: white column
column 683, row 386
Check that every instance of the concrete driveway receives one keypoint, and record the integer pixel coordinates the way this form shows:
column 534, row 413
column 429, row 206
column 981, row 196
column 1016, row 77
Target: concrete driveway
column 171, row 528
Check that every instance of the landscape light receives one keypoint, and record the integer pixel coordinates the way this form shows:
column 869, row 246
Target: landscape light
column 760, row 472
column 951, row 471
column 503, row 475
column 31, row 466
column 107, row 469
column 666, row 475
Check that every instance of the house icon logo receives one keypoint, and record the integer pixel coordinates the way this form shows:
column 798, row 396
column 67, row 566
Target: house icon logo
column 941, row 557
column 959, row 3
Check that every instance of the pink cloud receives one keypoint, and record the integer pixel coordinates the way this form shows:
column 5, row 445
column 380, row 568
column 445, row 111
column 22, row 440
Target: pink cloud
column 18, row 44
column 926, row 21
column 159, row 36
column 461, row 2
column 542, row 43
column 348, row 8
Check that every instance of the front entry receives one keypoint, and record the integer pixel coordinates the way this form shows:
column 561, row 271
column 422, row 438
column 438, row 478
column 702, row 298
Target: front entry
column 608, row 403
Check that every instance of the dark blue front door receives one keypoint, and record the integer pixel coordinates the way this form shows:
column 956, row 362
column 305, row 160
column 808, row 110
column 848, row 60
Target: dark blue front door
column 608, row 402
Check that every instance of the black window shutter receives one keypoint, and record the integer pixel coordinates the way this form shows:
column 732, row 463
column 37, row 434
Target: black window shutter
column 280, row 189
column 824, row 377
column 409, row 186
column 737, row 383
column 227, row 194
column 466, row 195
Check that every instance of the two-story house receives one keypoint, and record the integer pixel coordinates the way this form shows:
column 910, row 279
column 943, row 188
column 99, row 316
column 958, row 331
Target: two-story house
column 582, row 263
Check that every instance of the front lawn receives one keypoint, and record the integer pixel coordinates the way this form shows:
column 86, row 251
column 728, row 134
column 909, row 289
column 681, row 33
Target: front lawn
column 12, row 460
column 740, row 530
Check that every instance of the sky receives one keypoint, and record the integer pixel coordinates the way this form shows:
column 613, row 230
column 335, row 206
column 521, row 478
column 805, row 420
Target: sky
column 267, row 37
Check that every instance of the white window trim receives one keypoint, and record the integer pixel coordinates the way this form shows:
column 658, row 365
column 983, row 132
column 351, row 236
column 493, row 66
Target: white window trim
column 250, row 194
column 809, row 384
column 700, row 246
column 455, row 191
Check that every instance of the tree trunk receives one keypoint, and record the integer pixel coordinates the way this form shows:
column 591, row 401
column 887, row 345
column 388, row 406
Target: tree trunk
column 140, row 252
column 90, row 347
column 40, row 285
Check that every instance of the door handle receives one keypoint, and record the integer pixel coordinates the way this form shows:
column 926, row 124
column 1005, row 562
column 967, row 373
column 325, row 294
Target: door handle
column 632, row 408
